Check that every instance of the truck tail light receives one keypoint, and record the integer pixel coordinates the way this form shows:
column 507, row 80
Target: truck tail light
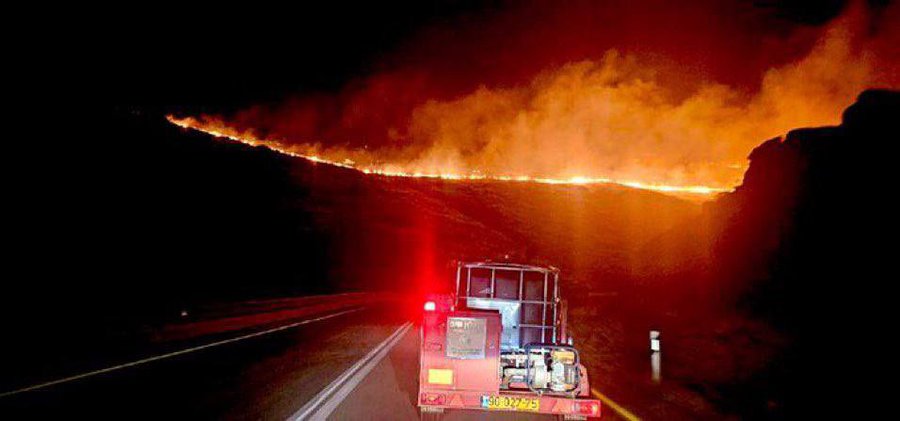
column 430, row 306
column 433, row 398
column 588, row 408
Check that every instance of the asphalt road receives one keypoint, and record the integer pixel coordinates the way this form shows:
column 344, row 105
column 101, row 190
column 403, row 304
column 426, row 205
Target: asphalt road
column 274, row 375
column 263, row 377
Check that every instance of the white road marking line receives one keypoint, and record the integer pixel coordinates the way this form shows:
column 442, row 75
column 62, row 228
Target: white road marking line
column 173, row 354
column 323, row 404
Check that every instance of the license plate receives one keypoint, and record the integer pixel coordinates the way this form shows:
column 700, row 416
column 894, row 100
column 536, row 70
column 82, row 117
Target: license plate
column 511, row 403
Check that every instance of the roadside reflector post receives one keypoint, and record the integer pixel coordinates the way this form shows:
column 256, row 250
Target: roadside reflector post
column 655, row 357
column 654, row 341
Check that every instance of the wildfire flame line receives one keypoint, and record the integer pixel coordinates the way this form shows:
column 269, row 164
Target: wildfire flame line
column 194, row 124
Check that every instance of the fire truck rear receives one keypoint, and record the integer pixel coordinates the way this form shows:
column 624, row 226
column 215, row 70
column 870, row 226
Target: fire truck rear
column 499, row 343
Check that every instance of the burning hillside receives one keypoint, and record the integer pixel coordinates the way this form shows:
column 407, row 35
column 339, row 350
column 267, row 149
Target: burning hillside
column 393, row 170
column 616, row 119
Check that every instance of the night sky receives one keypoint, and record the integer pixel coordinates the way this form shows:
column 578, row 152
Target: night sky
column 214, row 57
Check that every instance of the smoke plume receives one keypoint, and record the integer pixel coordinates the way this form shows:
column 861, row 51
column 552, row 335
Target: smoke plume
column 623, row 116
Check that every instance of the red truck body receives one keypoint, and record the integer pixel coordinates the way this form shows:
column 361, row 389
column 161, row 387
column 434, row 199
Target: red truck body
column 499, row 343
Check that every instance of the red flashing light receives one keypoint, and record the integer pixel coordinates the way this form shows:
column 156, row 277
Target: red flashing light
column 430, row 306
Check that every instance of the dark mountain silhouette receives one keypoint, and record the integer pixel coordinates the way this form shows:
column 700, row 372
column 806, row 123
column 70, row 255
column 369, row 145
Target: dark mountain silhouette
column 807, row 210
column 803, row 245
column 812, row 215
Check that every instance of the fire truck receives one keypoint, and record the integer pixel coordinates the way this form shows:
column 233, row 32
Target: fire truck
column 499, row 342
